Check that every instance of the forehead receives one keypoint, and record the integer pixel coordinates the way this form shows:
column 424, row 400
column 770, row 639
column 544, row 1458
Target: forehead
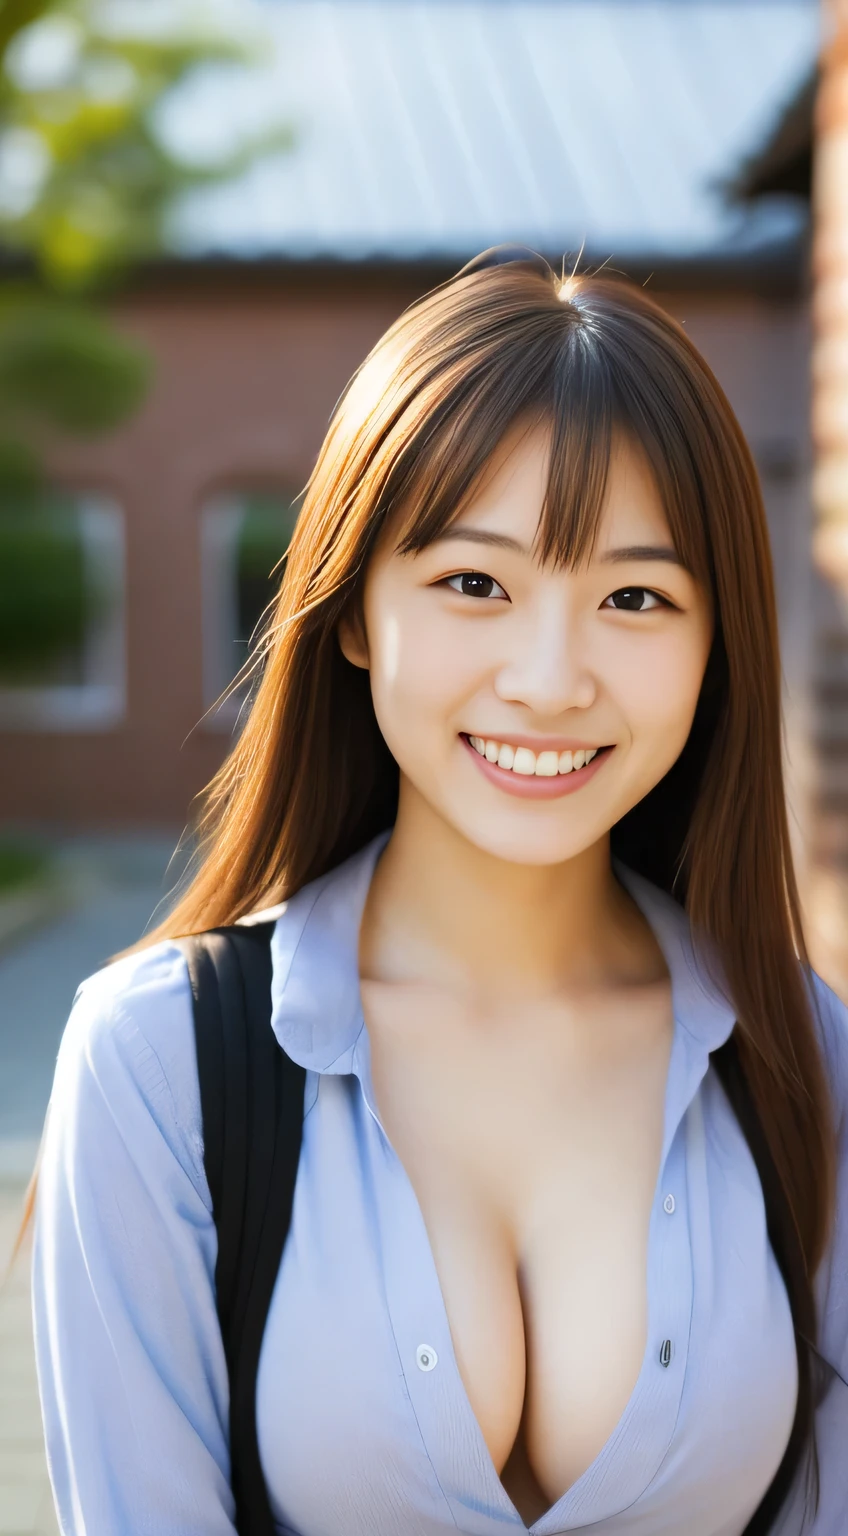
column 510, row 494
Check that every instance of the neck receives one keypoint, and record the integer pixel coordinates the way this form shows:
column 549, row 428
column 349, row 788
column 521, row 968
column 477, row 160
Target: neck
column 443, row 912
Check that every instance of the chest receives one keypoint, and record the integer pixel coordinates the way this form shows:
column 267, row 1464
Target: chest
column 364, row 1419
column 534, row 1153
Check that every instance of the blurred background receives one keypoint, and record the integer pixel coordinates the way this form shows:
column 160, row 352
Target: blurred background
column 208, row 213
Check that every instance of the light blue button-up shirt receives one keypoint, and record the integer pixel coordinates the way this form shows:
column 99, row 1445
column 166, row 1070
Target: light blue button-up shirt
column 365, row 1428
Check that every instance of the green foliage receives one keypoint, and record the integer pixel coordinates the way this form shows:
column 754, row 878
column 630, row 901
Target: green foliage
column 264, row 534
column 262, row 543
column 45, row 601
column 86, row 131
column 87, row 183
column 21, row 477
column 21, row 864
column 15, row 15
column 62, row 365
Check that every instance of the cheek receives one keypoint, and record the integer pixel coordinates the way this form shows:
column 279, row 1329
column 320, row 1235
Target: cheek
column 658, row 685
column 417, row 670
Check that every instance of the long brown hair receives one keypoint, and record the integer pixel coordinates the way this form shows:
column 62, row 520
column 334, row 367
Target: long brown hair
column 310, row 779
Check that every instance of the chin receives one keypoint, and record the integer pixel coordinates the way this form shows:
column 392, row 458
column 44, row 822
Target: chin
column 539, row 846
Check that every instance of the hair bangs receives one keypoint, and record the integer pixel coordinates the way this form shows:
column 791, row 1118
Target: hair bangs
column 433, row 482
column 577, row 382
column 581, row 440
column 601, row 396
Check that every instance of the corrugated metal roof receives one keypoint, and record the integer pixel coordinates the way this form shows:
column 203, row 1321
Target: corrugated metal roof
column 430, row 129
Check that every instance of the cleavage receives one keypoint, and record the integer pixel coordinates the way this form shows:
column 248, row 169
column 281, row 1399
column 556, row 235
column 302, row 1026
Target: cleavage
column 535, row 1175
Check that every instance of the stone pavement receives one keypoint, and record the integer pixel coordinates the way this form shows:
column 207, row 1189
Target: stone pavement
column 26, row 1501
column 117, row 884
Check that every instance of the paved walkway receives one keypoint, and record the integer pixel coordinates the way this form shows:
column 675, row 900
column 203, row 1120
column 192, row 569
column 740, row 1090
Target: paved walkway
column 118, row 884
column 26, row 1502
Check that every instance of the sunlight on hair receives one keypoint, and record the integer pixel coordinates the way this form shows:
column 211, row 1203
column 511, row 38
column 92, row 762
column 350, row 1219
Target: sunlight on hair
column 567, row 289
column 568, row 286
column 373, row 392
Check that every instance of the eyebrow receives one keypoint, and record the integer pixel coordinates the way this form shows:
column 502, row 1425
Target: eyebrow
column 630, row 552
column 664, row 552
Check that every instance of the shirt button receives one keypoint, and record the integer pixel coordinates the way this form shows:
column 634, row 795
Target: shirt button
column 668, row 1205
column 426, row 1357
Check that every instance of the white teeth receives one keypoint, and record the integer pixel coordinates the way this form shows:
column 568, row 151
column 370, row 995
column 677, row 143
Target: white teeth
column 524, row 761
column 547, row 765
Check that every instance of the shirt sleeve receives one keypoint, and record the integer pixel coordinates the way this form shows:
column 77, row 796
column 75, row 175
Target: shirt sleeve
column 832, row 1287
column 131, row 1369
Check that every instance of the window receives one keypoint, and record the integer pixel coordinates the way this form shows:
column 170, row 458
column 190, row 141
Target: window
column 243, row 539
column 62, row 623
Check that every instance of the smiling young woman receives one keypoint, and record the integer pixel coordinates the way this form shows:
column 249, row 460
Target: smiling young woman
column 569, row 1242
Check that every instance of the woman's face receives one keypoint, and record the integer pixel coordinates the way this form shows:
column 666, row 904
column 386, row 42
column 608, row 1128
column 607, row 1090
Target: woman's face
column 493, row 676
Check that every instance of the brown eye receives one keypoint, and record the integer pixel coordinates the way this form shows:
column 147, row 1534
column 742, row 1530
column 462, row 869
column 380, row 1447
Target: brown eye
column 636, row 599
column 475, row 584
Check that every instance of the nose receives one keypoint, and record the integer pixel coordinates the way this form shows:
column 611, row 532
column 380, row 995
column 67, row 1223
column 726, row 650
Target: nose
column 547, row 668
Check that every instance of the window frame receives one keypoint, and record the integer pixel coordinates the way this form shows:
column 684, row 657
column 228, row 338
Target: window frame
column 221, row 519
column 100, row 702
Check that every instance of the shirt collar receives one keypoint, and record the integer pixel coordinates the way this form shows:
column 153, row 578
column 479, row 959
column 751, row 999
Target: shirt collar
column 316, row 1012
column 315, row 999
column 700, row 995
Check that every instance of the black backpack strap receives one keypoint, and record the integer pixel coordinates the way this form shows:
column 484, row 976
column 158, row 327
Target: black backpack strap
column 251, row 1097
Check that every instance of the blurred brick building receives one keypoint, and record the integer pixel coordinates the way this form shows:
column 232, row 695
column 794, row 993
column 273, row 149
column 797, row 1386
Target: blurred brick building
column 424, row 134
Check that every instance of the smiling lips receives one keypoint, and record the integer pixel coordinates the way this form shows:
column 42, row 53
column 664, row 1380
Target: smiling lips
column 533, row 775
column 546, row 764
